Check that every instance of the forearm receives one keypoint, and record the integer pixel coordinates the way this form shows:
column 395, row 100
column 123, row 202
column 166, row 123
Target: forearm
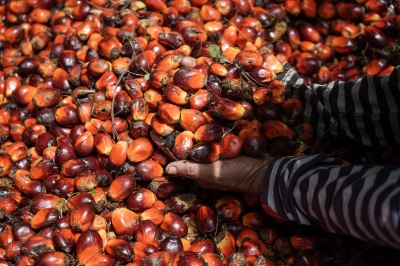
column 361, row 201
column 366, row 110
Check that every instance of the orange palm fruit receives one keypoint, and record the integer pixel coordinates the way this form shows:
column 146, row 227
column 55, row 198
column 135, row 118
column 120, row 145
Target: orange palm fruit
column 118, row 154
column 192, row 119
column 183, row 144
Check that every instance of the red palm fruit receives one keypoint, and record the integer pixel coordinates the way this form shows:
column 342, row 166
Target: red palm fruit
column 82, row 216
column 152, row 214
column 175, row 94
column 169, row 113
column 190, row 79
column 102, row 110
column 101, row 259
column 183, row 144
column 78, row 199
column 375, row 66
column 292, row 112
column 45, row 140
column 46, row 97
column 262, row 95
column 124, row 221
column 171, row 244
column 343, row 45
column 163, row 187
column 230, row 146
column 84, row 144
column 72, row 167
column 118, row 154
column 205, row 152
column 309, row 33
column 255, row 220
column 303, row 243
column 180, row 203
column 293, row 7
column 252, row 247
column 161, row 128
column 37, row 243
column 211, row 259
column 309, row 8
column 100, row 199
column 66, row 115
column 187, row 258
column 168, row 62
column 139, row 150
column 209, row 133
column 158, row 79
column 6, row 236
column 262, row 75
column 199, row 100
column 103, row 144
column 86, row 181
column 139, row 109
column 229, row 211
column 16, row 131
column 161, row 258
column 254, row 143
column 143, row 62
column 141, row 200
column 52, row 258
column 8, row 206
column 46, row 201
column 41, row 169
column 245, row 235
column 174, row 224
column 228, row 109
column 160, row 157
column 5, row 165
column 64, row 186
column 64, row 240
column 44, row 218
column 274, row 128
column 122, row 187
column 120, row 250
column 202, row 246
column 88, row 245
column 248, row 60
column 192, row 119
column 148, row 170
column 206, row 220
column 147, row 232
column 218, row 70
column 225, row 244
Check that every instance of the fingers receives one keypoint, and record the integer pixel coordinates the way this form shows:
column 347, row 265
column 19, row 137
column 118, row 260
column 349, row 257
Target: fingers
column 184, row 169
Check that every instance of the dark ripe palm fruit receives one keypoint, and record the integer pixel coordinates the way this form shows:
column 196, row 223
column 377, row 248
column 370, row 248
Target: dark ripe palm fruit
column 37, row 244
column 82, row 216
column 141, row 200
column 202, row 246
column 52, row 258
column 244, row 235
column 255, row 220
column 46, row 116
column 164, row 187
column 147, row 232
column 124, row 221
column 89, row 243
column 122, row 102
column 211, row 259
column 31, row 134
column 78, row 199
column 248, row 60
column 282, row 146
column 44, row 218
column 254, row 143
column 180, row 203
column 67, row 116
column 343, row 45
column 148, row 170
column 68, row 59
column 200, row 99
column 45, row 140
column 169, row 113
column 274, row 128
column 183, row 144
column 190, row 79
column 187, row 258
column 122, row 187
column 139, row 129
column 230, row 146
column 205, row 152
column 282, row 246
column 206, row 220
column 174, row 224
column 120, row 250
column 209, row 133
column 268, row 235
column 193, row 35
column 22, row 231
column 72, row 168
column 225, row 244
column 143, row 62
column 267, row 111
column 192, row 119
column 84, row 144
column 172, row 244
column 292, row 112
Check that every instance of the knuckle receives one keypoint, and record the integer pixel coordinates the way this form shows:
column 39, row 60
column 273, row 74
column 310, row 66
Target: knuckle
column 191, row 171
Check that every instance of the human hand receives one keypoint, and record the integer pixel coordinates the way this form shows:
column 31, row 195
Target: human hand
column 242, row 174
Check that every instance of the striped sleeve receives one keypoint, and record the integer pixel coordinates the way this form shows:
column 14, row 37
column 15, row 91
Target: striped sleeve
column 366, row 110
column 362, row 201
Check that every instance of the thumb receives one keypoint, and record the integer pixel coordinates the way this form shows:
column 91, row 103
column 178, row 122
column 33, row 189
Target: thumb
column 184, row 169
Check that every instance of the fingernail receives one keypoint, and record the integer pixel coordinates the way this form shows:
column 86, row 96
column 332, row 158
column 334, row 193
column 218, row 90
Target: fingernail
column 171, row 170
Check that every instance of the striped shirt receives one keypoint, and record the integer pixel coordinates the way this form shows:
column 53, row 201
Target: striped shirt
column 358, row 200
